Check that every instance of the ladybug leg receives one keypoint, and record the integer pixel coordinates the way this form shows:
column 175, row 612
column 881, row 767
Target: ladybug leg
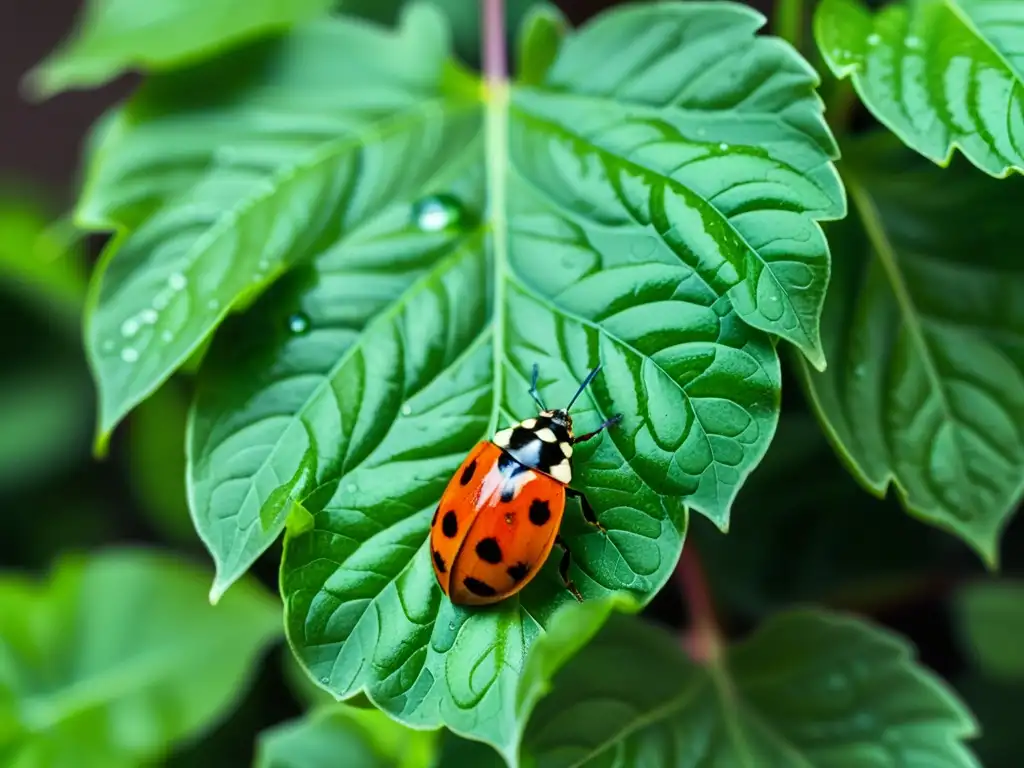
column 563, row 569
column 588, row 511
column 583, row 438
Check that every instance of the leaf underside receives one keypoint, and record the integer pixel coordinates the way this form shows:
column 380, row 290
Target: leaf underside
column 653, row 208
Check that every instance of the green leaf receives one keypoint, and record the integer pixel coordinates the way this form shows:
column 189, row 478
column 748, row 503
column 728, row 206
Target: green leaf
column 942, row 74
column 997, row 706
column 990, row 619
column 256, row 184
column 113, row 36
column 926, row 342
column 807, row 689
column 117, row 658
column 365, row 738
column 625, row 210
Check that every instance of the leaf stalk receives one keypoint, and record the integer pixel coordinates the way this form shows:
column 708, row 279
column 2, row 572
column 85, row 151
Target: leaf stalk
column 702, row 639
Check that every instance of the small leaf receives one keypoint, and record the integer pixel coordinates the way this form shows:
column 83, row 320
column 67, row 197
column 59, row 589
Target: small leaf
column 363, row 738
column 807, row 689
column 926, row 385
column 990, row 618
column 942, row 74
column 81, row 690
column 113, row 36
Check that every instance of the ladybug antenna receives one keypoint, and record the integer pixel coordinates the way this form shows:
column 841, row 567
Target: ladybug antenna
column 586, row 381
column 533, row 388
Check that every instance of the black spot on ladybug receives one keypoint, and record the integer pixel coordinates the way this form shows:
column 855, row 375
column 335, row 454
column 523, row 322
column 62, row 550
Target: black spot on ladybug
column 518, row 571
column 540, row 513
column 467, row 473
column 439, row 561
column 450, row 524
column 479, row 588
column 433, row 520
column 489, row 550
column 508, row 492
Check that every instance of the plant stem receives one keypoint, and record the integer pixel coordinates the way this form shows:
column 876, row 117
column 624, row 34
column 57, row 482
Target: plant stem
column 494, row 55
column 789, row 21
column 703, row 640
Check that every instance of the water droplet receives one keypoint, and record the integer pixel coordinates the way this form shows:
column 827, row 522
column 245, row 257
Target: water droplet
column 129, row 354
column 437, row 212
column 325, row 680
column 108, row 346
column 723, row 146
column 129, row 327
column 451, row 626
column 913, row 42
column 859, row 371
column 213, row 304
column 508, row 519
column 298, row 323
column 351, row 487
column 166, row 336
column 264, row 265
column 874, row 38
column 177, row 281
column 148, row 316
column 406, row 409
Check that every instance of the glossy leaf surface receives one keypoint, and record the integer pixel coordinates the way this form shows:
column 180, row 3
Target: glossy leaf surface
column 113, row 36
column 621, row 209
column 925, row 337
column 942, row 74
column 77, row 689
column 807, row 690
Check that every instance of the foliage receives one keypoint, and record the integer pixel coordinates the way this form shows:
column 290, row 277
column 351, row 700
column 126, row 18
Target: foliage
column 336, row 250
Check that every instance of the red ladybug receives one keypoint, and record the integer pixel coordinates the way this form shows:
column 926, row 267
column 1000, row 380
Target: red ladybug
column 499, row 516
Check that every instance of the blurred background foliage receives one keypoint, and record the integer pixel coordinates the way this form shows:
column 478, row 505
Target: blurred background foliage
column 111, row 540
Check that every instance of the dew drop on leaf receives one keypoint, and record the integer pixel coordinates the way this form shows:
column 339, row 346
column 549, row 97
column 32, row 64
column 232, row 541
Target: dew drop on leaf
column 406, row 409
column 451, row 626
column 148, row 316
column 129, row 327
column 858, row 371
column 723, row 146
column 437, row 212
column 298, row 323
column 166, row 336
column 913, row 42
column 177, row 281
column 213, row 304
column 351, row 487
column 129, row 354
column 325, row 680
column 874, row 38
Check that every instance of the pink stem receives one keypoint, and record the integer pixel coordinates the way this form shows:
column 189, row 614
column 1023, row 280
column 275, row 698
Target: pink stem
column 702, row 639
column 493, row 20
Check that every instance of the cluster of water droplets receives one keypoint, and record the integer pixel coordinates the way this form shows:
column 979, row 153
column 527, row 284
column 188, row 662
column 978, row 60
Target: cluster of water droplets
column 132, row 326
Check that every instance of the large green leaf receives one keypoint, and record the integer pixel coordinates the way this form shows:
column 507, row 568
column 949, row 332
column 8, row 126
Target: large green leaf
column 942, row 74
column 806, row 690
column 337, row 735
column 113, row 36
column 990, row 620
column 117, row 658
column 624, row 209
column 925, row 338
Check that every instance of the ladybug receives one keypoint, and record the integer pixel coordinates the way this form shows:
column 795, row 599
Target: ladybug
column 499, row 516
